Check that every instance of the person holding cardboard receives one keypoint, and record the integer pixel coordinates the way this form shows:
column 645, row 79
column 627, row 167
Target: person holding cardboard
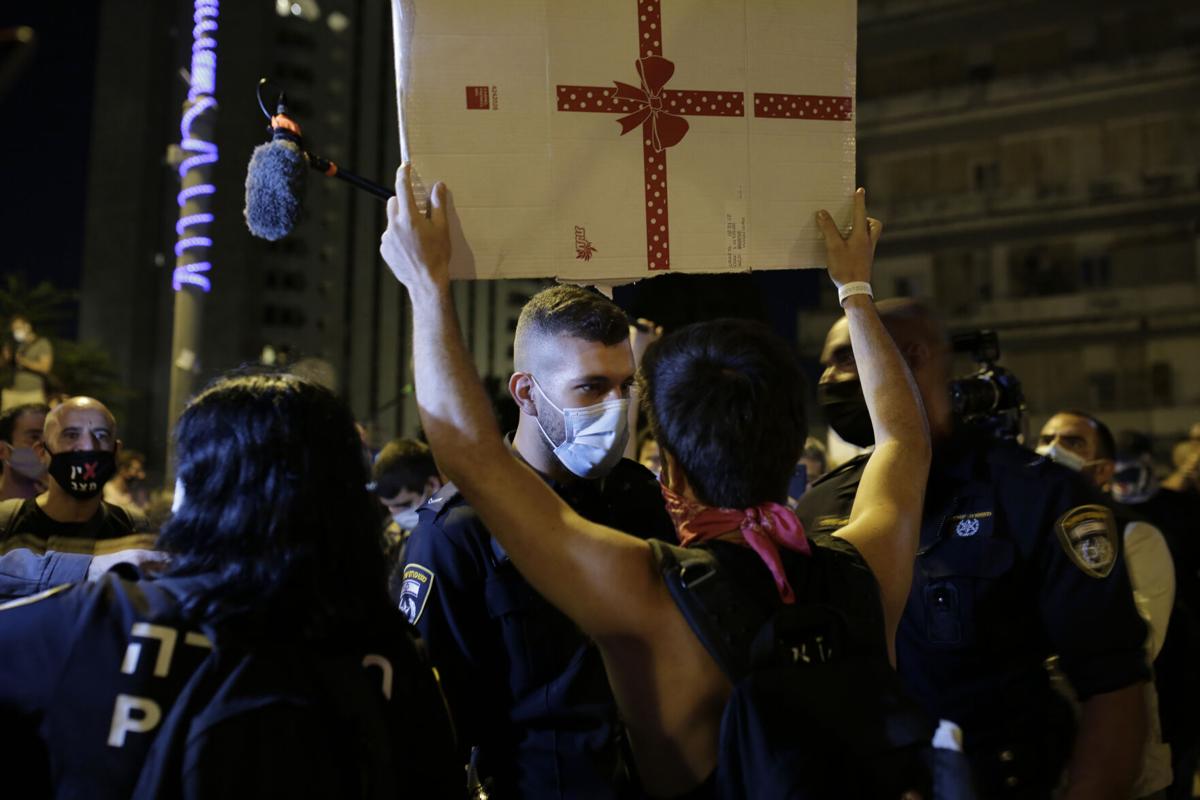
column 725, row 400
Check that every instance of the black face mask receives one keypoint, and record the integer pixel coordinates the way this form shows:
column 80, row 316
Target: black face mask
column 83, row 473
column 846, row 411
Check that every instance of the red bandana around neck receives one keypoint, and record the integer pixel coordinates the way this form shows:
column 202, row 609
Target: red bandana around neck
column 763, row 528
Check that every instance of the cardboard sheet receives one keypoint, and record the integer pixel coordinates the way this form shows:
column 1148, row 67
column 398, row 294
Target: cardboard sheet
column 613, row 140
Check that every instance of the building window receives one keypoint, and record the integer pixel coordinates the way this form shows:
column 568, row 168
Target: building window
column 1162, row 384
column 1102, row 390
column 1043, row 270
column 985, row 176
column 1095, row 271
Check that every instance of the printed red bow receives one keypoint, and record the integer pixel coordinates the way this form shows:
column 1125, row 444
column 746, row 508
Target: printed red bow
column 666, row 129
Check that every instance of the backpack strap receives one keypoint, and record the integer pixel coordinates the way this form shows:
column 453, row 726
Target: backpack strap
column 718, row 614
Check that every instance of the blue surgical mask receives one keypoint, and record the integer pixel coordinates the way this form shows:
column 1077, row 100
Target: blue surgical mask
column 26, row 462
column 407, row 520
column 595, row 438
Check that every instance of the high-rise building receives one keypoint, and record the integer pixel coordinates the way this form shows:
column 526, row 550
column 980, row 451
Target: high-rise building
column 1037, row 168
column 321, row 295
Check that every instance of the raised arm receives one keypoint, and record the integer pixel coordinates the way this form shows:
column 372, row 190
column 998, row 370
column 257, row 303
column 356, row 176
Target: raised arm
column 568, row 559
column 885, row 521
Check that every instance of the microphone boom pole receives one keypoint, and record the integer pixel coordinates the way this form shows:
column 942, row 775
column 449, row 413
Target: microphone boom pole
column 330, row 169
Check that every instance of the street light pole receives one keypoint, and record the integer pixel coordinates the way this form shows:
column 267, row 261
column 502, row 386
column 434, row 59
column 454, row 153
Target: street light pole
column 190, row 278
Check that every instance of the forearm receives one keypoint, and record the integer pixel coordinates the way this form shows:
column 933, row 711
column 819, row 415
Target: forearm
column 568, row 560
column 893, row 400
column 23, row 572
column 455, row 413
column 40, row 365
column 885, row 520
column 1107, row 756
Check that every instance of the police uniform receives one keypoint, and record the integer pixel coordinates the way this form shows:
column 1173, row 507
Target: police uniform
column 1019, row 560
column 89, row 673
column 524, row 684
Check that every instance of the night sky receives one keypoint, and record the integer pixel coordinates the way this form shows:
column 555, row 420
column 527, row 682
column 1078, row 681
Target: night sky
column 47, row 118
column 47, row 113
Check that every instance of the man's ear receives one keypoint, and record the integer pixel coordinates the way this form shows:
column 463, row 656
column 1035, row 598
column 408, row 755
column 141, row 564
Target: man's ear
column 520, row 387
column 5, row 450
column 1104, row 470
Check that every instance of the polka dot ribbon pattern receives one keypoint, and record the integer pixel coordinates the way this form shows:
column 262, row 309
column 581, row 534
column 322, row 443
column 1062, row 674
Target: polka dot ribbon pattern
column 660, row 112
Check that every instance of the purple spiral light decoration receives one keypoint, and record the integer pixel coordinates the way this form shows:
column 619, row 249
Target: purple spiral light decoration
column 195, row 130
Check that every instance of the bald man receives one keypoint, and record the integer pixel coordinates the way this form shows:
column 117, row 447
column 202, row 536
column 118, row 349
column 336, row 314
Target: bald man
column 1019, row 560
column 525, row 686
column 54, row 537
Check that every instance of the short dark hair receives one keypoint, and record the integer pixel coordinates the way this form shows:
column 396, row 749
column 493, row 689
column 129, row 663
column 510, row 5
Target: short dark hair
column 573, row 311
column 726, row 400
column 276, row 505
column 1106, row 445
column 1132, row 445
column 402, row 465
column 8, row 420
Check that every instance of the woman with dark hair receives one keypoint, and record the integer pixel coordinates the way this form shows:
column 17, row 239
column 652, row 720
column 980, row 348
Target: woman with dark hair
column 274, row 600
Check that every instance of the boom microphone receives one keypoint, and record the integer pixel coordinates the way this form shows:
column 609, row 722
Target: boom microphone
column 275, row 177
column 275, row 181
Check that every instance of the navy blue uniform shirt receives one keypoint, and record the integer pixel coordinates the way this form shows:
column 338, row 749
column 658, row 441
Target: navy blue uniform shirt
column 1019, row 560
column 524, row 684
column 89, row 673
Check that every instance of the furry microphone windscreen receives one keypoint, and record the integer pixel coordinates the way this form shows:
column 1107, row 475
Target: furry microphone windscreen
column 274, row 188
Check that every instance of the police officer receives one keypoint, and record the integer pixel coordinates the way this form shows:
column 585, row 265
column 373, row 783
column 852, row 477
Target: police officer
column 725, row 399
column 1019, row 560
column 1081, row 442
column 526, row 687
column 274, row 556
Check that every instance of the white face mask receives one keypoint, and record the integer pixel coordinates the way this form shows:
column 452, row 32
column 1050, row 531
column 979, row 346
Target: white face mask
column 595, row 436
column 20, row 335
column 1068, row 458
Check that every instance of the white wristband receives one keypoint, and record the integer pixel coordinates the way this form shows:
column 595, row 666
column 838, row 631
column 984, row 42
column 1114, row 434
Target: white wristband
column 852, row 288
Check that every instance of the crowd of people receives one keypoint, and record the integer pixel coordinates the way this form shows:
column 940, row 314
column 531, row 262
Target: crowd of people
column 655, row 586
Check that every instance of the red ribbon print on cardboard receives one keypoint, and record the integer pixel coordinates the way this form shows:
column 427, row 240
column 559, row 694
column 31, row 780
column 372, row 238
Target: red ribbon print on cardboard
column 660, row 112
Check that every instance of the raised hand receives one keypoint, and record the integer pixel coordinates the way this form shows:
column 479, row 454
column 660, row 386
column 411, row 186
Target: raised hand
column 849, row 258
column 416, row 247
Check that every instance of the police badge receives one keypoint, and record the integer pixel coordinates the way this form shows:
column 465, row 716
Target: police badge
column 414, row 591
column 1089, row 535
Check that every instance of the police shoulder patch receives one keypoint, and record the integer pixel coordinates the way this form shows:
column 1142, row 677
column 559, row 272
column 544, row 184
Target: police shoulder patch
column 414, row 591
column 1089, row 536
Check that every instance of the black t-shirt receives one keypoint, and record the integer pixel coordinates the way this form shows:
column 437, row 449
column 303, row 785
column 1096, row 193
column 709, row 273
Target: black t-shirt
column 111, row 528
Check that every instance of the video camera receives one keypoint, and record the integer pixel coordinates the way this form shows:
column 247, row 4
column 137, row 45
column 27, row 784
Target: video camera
column 991, row 397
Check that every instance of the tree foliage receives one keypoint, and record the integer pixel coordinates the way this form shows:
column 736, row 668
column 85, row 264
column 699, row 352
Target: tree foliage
column 79, row 367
